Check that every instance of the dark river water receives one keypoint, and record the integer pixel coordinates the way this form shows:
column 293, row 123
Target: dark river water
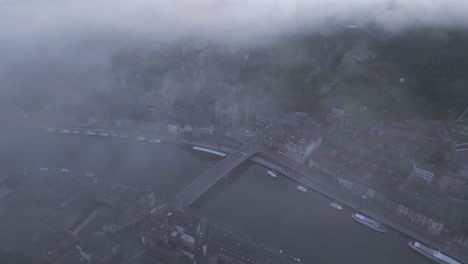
column 268, row 208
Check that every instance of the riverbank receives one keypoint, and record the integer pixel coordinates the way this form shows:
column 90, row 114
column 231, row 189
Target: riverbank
column 322, row 186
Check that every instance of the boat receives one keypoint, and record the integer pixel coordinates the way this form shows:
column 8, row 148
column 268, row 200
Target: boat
column 336, row 205
column 76, row 132
column 64, row 131
column 140, row 139
column 432, row 254
column 89, row 133
column 272, row 173
column 103, row 134
column 154, row 141
column 49, row 130
column 371, row 223
column 301, row 188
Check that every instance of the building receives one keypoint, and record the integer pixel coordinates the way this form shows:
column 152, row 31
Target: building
column 424, row 170
column 186, row 129
column 462, row 239
column 432, row 226
column 158, row 245
column 228, row 114
column 113, row 194
column 91, row 250
column 300, row 148
column 173, row 128
column 265, row 118
column 454, row 184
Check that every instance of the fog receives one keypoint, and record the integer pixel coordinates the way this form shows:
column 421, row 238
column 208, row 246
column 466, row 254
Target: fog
column 56, row 49
column 68, row 21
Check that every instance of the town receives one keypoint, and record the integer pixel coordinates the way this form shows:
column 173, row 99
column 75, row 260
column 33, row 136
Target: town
column 410, row 175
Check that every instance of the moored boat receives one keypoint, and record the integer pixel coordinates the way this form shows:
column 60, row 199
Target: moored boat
column 272, row 173
column 371, row 223
column 336, row 205
column 301, row 188
column 432, row 254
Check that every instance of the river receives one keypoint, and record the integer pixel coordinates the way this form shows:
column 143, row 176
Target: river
column 268, row 208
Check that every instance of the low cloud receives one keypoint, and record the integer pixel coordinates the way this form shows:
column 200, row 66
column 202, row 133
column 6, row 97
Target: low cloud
column 42, row 39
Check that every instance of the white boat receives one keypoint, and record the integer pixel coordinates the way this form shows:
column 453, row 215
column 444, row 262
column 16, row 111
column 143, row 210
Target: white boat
column 272, row 173
column 103, row 134
column 301, row 188
column 64, row 131
column 140, row 139
column 89, row 133
column 337, row 206
column 76, row 132
column 432, row 254
column 89, row 174
column 64, row 170
column 49, row 130
column 154, row 141
column 371, row 223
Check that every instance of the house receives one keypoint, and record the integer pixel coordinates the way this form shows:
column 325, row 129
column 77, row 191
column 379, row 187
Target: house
column 300, row 147
column 432, row 226
column 454, row 184
column 424, row 170
column 173, row 128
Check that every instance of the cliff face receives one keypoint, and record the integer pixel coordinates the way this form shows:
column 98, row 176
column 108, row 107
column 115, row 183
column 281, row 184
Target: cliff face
column 420, row 72
column 295, row 71
column 209, row 72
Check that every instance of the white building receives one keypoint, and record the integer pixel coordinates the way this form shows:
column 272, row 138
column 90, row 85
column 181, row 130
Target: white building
column 300, row 149
column 424, row 171
column 186, row 129
column 171, row 128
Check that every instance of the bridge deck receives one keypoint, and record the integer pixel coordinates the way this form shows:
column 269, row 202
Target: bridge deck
column 190, row 193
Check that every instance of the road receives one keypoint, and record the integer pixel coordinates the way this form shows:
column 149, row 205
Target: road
column 190, row 193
